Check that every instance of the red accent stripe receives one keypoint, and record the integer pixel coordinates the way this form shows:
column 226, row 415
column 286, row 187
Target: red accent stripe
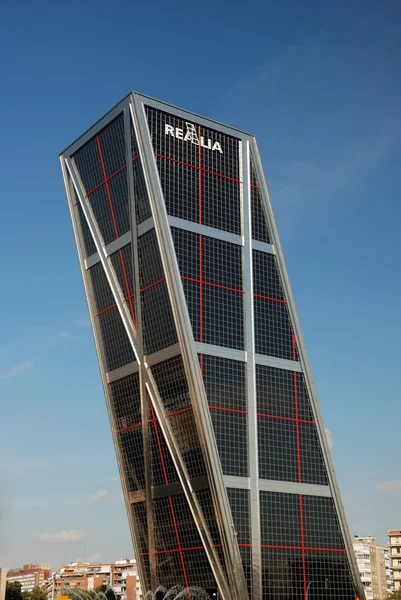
column 129, row 295
column 286, row 418
column 269, row 298
column 128, row 428
column 222, row 287
column 301, row 514
column 105, row 310
column 136, row 425
column 107, row 186
column 105, row 181
column 200, row 288
column 182, row 550
column 158, row 443
column 110, row 177
column 178, row 542
column 256, row 187
column 298, row 548
column 200, row 248
column 152, row 284
column 180, row 162
column 178, row 412
column 231, row 410
column 265, row 547
column 170, row 500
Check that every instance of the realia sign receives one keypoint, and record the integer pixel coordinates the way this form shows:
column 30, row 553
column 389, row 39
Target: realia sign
column 191, row 136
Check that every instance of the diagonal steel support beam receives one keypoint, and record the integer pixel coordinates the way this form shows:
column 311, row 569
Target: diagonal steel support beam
column 235, row 573
column 303, row 359
column 150, row 384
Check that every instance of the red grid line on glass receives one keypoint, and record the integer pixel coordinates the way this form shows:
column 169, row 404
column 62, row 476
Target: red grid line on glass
column 231, row 410
column 255, row 187
column 178, row 412
column 169, row 498
column 301, row 514
column 114, row 305
column 109, row 177
column 185, row 164
column 269, row 298
column 296, row 420
column 129, row 296
column 302, row 548
column 152, row 284
column 180, row 550
column 202, row 282
column 135, row 426
column 200, row 248
column 113, row 217
column 106, row 180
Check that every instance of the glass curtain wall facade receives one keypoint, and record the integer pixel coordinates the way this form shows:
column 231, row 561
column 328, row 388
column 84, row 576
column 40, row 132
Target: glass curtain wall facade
column 224, row 462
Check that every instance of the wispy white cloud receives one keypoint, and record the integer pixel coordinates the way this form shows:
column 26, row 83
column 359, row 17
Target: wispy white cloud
column 62, row 537
column 389, row 486
column 17, row 370
column 99, row 496
column 329, row 435
column 62, row 334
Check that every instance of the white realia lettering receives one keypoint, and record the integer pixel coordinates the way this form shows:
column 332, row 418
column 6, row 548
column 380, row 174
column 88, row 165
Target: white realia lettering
column 192, row 136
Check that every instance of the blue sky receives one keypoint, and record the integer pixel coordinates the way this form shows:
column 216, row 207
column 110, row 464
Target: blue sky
column 319, row 84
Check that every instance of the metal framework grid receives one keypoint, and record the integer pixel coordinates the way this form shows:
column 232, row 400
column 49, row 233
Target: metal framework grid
column 224, row 462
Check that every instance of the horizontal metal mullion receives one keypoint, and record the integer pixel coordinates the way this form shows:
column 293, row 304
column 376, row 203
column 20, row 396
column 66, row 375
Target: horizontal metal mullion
column 241, row 483
column 161, row 355
column 146, row 226
column 218, row 234
column 121, row 372
column 135, row 497
column 174, row 489
column 220, row 351
column 278, row 363
column 114, row 246
column 260, row 359
column 263, row 247
column 290, row 487
column 287, row 487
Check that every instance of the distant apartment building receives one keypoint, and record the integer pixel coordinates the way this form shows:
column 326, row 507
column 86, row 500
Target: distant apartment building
column 29, row 576
column 122, row 576
column 394, row 543
column 389, row 571
column 3, row 579
column 374, row 568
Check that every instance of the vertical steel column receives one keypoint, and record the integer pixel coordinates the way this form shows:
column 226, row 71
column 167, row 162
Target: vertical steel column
column 194, row 378
column 253, row 464
column 303, row 359
column 68, row 182
column 138, row 318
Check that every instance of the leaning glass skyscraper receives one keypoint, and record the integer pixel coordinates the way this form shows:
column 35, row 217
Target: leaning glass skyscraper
column 226, row 472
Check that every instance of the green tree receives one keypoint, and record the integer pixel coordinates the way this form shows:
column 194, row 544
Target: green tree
column 37, row 594
column 13, row 591
column 395, row 596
